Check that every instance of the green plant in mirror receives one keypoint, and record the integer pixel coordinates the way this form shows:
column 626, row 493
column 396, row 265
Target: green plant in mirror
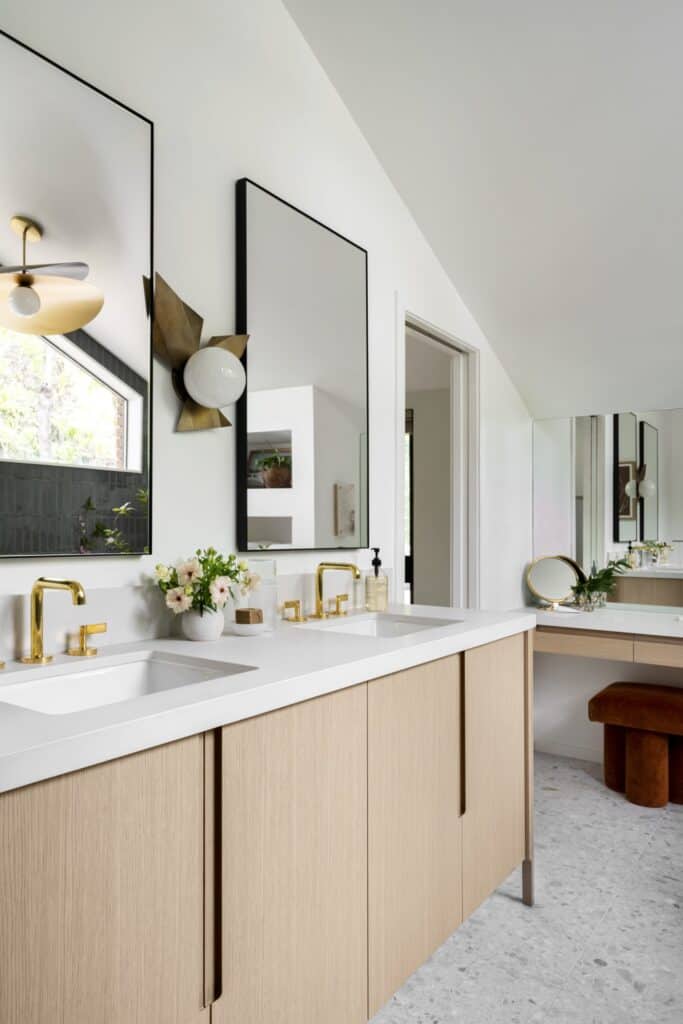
column 101, row 536
column 276, row 460
column 598, row 584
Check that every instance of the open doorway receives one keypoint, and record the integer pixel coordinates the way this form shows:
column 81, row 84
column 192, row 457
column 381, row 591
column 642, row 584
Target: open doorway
column 437, row 553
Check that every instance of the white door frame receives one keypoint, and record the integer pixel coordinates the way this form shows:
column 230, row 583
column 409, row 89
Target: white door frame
column 465, row 446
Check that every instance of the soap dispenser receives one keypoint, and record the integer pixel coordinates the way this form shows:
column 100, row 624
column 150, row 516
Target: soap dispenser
column 376, row 586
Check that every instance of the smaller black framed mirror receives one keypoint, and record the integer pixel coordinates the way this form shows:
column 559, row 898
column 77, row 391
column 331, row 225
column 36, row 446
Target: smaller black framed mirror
column 648, row 487
column 302, row 422
column 625, row 477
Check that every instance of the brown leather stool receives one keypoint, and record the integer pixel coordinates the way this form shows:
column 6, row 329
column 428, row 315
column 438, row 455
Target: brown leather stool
column 643, row 741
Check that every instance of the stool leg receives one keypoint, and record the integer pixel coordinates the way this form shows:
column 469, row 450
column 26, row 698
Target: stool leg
column 614, row 766
column 676, row 769
column 647, row 768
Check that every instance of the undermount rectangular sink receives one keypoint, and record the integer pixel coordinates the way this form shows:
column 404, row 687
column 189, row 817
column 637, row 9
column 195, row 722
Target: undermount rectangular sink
column 382, row 624
column 63, row 689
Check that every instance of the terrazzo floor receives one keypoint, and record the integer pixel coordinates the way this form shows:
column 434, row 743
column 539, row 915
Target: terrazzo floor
column 604, row 943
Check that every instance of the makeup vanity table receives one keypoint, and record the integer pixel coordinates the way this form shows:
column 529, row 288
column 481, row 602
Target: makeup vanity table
column 633, row 633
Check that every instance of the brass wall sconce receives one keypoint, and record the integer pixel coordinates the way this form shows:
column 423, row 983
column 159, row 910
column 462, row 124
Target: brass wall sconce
column 205, row 378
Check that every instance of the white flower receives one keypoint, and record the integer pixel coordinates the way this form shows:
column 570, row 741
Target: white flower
column 243, row 566
column 189, row 571
column 163, row 573
column 178, row 601
column 220, row 591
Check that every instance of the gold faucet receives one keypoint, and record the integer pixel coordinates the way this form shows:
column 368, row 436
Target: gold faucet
column 37, row 655
column 320, row 612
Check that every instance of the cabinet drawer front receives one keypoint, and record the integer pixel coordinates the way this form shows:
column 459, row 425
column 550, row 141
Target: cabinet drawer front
column 584, row 645
column 294, row 876
column 415, row 828
column 658, row 652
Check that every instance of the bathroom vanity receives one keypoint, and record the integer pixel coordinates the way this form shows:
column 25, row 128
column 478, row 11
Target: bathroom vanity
column 288, row 838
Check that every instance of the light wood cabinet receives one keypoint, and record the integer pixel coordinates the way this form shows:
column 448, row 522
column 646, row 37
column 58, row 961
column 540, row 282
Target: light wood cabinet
column 414, row 824
column 101, row 893
column 294, row 865
column 293, row 868
column 496, row 768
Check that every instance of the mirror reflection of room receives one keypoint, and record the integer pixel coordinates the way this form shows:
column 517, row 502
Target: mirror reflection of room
column 609, row 488
column 74, row 326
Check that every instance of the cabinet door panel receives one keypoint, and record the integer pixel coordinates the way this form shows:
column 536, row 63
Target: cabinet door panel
column 101, row 889
column 415, row 898
column 295, row 865
column 494, row 824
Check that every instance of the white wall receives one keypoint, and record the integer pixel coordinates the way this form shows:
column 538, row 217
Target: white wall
column 553, row 467
column 234, row 90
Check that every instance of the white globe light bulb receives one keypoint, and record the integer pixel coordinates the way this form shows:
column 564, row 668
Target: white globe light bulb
column 631, row 489
column 647, row 489
column 23, row 300
column 214, row 377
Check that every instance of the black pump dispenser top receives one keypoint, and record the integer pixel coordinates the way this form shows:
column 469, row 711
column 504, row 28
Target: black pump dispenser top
column 376, row 562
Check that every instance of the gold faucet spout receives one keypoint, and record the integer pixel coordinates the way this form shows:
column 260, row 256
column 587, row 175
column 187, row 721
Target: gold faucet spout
column 43, row 583
column 322, row 568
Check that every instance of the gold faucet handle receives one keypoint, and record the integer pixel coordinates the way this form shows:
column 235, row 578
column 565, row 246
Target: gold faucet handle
column 338, row 603
column 90, row 629
column 294, row 606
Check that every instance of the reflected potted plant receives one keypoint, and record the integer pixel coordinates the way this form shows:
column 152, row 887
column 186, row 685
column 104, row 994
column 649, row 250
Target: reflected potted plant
column 657, row 551
column 598, row 585
column 198, row 588
column 276, row 470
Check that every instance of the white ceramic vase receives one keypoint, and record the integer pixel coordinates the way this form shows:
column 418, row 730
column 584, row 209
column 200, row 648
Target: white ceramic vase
column 208, row 626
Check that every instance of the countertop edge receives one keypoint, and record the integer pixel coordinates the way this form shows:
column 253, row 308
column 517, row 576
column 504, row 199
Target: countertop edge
column 61, row 756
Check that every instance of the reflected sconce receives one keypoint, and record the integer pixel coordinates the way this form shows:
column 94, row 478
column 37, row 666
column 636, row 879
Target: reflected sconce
column 640, row 486
column 205, row 378
column 45, row 298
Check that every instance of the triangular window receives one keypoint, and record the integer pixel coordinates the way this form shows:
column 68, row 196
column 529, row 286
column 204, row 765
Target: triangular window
column 55, row 407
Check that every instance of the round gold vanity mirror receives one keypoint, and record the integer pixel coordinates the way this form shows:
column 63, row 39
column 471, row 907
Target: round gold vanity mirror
column 551, row 578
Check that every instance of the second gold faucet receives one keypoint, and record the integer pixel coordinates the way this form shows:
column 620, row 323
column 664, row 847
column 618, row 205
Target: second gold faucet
column 320, row 612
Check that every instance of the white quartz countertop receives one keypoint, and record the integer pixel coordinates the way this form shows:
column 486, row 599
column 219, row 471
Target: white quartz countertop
column 295, row 663
column 644, row 619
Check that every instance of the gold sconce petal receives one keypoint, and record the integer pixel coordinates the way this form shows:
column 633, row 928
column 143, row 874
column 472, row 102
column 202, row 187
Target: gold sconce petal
column 65, row 304
column 197, row 417
column 235, row 343
column 177, row 328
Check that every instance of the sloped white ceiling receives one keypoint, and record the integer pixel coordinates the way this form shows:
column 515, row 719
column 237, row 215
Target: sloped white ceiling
column 539, row 147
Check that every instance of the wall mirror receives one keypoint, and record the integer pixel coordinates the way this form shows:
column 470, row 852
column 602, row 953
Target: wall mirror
column 624, row 477
column 302, row 423
column 609, row 482
column 74, row 401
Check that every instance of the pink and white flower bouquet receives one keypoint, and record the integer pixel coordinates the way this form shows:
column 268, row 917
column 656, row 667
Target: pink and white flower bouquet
column 204, row 582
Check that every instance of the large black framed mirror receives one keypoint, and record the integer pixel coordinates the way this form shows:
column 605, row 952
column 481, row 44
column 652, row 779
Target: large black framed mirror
column 75, row 402
column 302, row 423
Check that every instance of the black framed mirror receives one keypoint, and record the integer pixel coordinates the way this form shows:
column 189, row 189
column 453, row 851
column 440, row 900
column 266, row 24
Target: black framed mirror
column 75, row 401
column 625, row 477
column 302, row 423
